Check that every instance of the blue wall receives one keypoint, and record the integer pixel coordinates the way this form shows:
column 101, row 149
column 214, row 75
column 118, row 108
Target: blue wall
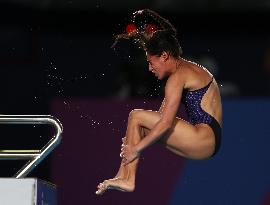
column 240, row 173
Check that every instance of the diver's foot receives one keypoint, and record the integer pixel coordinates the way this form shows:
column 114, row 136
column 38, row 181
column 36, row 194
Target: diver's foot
column 116, row 184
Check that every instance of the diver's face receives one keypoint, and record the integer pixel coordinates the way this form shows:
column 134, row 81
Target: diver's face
column 156, row 65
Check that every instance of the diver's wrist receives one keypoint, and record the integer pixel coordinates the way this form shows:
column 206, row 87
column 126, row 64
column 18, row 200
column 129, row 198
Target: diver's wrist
column 138, row 148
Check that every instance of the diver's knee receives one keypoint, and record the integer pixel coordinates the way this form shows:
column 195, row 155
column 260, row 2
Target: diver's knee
column 135, row 114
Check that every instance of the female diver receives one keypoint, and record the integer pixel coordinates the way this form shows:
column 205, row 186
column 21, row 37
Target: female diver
column 186, row 82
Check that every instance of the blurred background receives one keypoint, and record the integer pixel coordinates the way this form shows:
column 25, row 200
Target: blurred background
column 55, row 58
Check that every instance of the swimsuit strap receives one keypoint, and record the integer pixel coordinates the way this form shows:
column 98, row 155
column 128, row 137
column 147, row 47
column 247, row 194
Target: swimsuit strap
column 209, row 83
column 203, row 87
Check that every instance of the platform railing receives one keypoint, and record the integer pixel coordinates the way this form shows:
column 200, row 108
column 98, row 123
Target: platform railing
column 34, row 156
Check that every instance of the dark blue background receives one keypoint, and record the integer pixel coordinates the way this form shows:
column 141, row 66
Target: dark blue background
column 239, row 174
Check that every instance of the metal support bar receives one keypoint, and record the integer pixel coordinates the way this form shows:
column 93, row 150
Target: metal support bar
column 35, row 156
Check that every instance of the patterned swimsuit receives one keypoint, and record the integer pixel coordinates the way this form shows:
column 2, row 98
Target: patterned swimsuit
column 196, row 115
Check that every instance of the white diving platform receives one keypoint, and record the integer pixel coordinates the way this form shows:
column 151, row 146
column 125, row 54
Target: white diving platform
column 27, row 191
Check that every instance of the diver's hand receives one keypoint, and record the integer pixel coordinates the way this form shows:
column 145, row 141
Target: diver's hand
column 124, row 141
column 129, row 153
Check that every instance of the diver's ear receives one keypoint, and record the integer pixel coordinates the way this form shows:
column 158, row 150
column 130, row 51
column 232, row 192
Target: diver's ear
column 164, row 56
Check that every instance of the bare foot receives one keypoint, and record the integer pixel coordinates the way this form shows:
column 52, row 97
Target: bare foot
column 116, row 184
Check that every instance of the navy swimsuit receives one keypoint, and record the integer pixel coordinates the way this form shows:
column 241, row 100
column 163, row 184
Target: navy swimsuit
column 196, row 115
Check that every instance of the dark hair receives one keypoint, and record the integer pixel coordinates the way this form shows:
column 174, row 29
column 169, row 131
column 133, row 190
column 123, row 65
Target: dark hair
column 154, row 43
column 163, row 41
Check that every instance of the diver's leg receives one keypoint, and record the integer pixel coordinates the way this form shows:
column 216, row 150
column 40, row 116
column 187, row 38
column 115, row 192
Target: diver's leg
column 125, row 178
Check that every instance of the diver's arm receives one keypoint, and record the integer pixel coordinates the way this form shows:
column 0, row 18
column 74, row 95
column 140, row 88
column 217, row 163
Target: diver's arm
column 173, row 93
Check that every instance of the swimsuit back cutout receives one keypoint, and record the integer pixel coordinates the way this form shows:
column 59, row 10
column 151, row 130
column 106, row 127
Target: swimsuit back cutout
column 192, row 101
